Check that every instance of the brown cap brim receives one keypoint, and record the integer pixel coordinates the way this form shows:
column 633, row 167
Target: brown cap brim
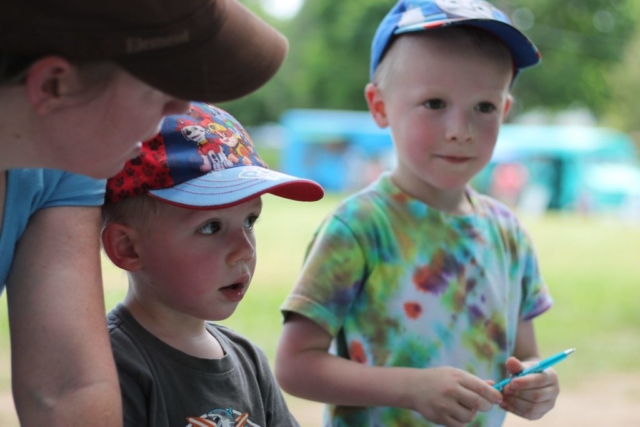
column 234, row 60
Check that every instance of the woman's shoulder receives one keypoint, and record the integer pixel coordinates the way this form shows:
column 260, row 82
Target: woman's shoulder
column 48, row 187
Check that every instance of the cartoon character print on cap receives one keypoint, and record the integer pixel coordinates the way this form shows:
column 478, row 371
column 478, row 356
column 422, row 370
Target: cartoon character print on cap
column 213, row 157
column 197, row 113
column 221, row 418
column 238, row 150
column 203, row 141
column 221, row 142
column 139, row 176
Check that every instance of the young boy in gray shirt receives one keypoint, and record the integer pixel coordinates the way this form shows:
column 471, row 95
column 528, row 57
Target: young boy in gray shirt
column 179, row 219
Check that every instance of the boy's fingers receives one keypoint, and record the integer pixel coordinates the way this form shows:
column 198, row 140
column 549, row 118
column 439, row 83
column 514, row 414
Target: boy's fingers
column 527, row 409
column 514, row 365
column 539, row 380
column 535, row 395
column 460, row 414
column 485, row 391
column 474, row 401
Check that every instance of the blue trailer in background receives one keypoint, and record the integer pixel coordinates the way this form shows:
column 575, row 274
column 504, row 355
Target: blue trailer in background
column 534, row 167
column 538, row 168
column 339, row 149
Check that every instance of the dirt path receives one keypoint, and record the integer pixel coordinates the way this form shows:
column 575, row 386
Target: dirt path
column 610, row 401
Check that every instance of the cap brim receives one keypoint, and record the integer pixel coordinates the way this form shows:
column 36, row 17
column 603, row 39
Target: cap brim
column 235, row 60
column 524, row 52
column 230, row 187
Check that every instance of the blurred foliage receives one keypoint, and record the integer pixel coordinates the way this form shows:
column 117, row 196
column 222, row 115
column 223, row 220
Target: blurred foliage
column 583, row 45
column 624, row 105
column 580, row 42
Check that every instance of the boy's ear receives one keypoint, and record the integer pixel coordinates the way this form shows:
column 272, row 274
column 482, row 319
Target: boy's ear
column 48, row 81
column 507, row 106
column 375, row 101
column 118, row 241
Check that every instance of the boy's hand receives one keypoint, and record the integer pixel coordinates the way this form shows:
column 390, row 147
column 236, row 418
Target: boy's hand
column 450, row 396
column 530, row 396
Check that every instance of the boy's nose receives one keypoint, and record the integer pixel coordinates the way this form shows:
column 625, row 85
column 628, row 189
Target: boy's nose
column 458, row 128
column 242, row 249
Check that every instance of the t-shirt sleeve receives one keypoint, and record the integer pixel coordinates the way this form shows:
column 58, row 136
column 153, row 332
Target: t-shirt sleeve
column 277, row 412
column 535, row 295
column 74, row 190
column 331, row 277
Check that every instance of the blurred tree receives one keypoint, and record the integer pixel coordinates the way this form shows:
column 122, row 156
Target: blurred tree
column 580, row 41
column 328, row 62
column 624, row 105
column 330, row 52
column 267, row 103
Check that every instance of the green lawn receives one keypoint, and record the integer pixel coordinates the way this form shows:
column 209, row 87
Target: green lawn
column 591, row 265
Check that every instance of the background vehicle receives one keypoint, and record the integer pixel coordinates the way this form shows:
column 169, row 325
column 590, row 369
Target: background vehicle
column 534, row 168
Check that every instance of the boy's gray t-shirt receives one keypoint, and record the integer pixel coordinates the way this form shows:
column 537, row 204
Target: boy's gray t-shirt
column 164, row 387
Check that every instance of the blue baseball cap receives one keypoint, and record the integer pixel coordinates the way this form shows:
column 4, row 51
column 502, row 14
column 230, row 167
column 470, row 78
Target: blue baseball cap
column 418, row 15
column 204, row 159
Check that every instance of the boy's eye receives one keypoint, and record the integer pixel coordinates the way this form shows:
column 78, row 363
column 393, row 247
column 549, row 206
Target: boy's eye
column 250, row 221
column 210, row 228
column 434, row 104
column 486, row 107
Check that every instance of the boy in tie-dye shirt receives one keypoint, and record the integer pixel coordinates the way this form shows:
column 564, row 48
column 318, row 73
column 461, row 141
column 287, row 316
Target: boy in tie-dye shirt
column 418, row 292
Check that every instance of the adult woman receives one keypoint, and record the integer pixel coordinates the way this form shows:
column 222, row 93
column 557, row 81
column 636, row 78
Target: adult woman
column 71, row 73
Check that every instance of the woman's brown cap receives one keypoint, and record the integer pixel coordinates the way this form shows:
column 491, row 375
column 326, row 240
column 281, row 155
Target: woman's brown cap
column 199, row 50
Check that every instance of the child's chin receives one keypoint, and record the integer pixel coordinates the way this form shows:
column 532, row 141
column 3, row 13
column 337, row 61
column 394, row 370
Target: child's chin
column 222, row 314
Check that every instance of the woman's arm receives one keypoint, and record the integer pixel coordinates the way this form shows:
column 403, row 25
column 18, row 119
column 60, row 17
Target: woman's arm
column 62, row 367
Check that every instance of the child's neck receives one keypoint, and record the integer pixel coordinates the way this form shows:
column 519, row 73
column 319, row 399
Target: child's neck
column 177, row 330
column 455, row 202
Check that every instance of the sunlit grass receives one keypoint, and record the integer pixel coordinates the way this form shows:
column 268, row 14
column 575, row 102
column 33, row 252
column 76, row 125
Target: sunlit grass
column 592, row 267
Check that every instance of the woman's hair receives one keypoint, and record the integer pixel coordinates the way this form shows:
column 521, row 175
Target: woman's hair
column 14, row 69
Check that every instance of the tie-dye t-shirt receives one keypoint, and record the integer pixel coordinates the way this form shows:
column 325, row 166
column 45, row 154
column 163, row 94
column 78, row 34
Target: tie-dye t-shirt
column 400, row 284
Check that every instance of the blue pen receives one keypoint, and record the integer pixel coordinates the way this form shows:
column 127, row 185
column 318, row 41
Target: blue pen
column 541, row 366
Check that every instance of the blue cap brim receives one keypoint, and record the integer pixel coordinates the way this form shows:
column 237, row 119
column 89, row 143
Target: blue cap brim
column 229, row 187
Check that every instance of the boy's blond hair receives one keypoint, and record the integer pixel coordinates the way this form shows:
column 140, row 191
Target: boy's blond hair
column 134, row 211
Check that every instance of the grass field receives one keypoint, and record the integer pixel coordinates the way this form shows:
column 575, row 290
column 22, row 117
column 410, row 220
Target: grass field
column 592, row 266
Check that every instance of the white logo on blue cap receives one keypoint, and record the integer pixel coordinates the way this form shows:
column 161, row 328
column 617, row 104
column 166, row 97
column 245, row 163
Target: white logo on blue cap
column 258, row 173
column 467, row 8
column 412, row 16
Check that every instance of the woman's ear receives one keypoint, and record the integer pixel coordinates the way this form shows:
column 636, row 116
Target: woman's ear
column 118, row 241
column 375, row 101
column 48, row 81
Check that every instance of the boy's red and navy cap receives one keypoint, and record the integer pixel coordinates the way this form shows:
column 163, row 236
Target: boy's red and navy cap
column 420, row 15
column 203, row 50
column 204, row 160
